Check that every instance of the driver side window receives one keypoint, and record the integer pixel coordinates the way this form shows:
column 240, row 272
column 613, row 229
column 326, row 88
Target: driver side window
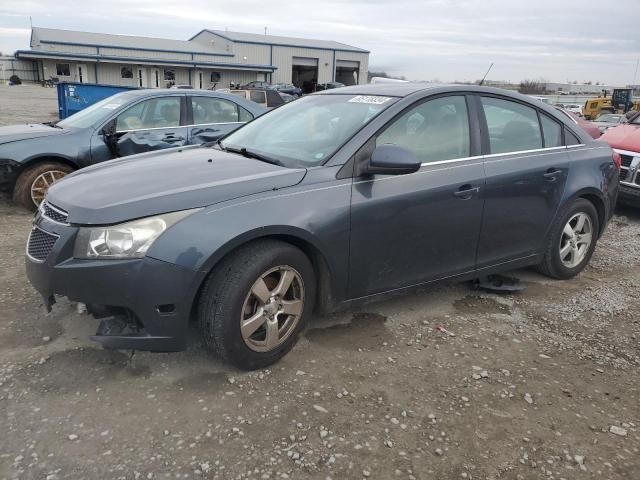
column 434, row 130
column 163, row 112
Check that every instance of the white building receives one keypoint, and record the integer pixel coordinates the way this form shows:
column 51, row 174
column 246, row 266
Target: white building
column 575, row 88
column 211, row 58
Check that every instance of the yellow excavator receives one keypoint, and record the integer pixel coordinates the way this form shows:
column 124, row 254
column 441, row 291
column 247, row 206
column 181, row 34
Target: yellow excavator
column 620, row 101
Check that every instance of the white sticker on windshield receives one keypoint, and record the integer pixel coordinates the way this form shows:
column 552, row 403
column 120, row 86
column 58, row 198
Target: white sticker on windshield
column 371, row 99
column 111, row 106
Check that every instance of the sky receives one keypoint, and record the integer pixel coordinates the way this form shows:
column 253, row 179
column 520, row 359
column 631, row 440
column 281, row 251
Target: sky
column 444, row 40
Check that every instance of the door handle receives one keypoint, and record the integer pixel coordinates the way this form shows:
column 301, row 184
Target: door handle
column 171, row 139
column 552, row 174
column 465, row 192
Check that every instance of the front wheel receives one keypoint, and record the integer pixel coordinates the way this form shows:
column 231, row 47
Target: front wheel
column 572, row 241
column 33, row 182
column 255, row 303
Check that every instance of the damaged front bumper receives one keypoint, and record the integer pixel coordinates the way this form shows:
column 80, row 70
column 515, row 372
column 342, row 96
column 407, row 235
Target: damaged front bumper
column 145, row 303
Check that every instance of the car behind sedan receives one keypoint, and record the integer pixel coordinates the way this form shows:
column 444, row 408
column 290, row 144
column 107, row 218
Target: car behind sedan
column 339, row 197
column 34, row 156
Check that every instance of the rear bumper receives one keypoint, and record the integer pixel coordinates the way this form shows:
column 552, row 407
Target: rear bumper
column 152, row 296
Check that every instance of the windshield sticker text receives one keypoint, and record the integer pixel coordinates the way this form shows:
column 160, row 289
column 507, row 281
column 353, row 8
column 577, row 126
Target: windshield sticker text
column 371, row 99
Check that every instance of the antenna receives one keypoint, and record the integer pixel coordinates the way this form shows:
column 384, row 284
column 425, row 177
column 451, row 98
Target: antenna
column 485, row 75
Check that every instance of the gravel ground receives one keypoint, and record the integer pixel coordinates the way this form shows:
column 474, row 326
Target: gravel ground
column 542, row 384
column 27, row 103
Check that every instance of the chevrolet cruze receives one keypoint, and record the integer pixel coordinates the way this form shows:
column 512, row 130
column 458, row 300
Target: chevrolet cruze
column 339, row 197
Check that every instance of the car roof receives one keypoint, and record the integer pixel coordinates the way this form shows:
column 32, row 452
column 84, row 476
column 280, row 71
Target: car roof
column 409, row 88
column 150, row 92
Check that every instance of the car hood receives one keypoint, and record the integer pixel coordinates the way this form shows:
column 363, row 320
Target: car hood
column 623, row 137
column 160, row 182
column 14, row 133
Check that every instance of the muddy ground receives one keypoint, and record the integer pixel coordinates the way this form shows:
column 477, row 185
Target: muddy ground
column 542, row 384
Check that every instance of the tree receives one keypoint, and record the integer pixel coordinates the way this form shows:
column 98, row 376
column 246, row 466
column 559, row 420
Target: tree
column 531, row 87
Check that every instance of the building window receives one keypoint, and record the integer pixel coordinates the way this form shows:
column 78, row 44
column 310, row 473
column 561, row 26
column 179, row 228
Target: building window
column 126, row 72
column 215, row 77
column 170, row 75
column 63, row 70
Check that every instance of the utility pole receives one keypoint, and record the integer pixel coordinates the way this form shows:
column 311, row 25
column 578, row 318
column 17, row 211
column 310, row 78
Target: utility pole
column 265, row 31
column 635, row 74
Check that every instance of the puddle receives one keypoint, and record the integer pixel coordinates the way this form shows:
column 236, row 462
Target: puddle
column 472, row 304
column 364, row 330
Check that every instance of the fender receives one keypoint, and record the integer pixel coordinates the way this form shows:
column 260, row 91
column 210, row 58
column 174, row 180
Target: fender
column 289, row 214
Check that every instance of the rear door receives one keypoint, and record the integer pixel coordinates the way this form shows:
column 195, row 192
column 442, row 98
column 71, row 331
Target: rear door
column 152, row 124
column 409, row 229
column 526, row 169
column 212, row 118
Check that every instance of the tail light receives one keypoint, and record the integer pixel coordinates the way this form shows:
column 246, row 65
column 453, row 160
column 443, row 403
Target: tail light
column 617, row 160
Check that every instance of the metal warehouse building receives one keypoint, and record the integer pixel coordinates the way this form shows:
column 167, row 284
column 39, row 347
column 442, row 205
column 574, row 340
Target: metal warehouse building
column 209, row 59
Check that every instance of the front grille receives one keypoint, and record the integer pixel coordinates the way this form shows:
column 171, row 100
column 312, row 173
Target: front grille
column 626, row 160
column 54, row 213
column 40, row 244
column 623, row 174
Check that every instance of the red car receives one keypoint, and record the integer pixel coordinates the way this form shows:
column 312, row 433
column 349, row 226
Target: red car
column 586, row 125
column 625, row 140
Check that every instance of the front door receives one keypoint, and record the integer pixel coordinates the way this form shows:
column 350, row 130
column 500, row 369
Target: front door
column 213, row 118
column 152, row 124
column 410, row 229
column 526, row 173
column 82, row 73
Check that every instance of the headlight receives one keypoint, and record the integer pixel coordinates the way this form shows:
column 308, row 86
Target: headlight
column 126, row 240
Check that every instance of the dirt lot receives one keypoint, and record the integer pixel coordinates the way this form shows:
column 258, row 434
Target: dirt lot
column 27, row 103
column 543, row 384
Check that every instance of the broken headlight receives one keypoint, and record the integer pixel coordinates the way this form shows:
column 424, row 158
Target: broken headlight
column 126, row 240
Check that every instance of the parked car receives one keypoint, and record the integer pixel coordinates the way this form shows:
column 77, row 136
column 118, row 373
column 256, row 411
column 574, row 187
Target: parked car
column 593, row 130
column 338, row 197
column 625, row 140
column 286, row 97
column 288, row 89
column 573, row 108
column 257, row 84
column 328, row 86
column 33, row 156
column 607, row 120
column 267, row 98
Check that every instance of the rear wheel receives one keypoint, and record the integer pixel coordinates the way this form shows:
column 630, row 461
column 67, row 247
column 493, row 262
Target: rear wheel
column 33, row 182
column 255, row 303
column 572, row 242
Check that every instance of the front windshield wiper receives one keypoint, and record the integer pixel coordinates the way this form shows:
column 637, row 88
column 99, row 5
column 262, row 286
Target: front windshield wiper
column 52, row 124
column 251, row 154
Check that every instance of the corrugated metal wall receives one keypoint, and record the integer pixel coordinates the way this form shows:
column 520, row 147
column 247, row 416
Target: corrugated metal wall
column 25, row 69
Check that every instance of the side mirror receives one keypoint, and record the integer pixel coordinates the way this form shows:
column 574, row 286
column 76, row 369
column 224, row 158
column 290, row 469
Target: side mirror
column 389, row 159
column 109, row 129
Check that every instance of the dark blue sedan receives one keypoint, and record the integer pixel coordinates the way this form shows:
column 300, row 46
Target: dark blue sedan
column 340, row 197
column 33, row 156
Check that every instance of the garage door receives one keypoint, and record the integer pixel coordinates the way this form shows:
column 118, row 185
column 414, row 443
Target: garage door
column 305, row 62
column 348, row 64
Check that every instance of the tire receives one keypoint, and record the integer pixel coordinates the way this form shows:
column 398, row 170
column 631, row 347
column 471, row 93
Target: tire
column 52, row 171
column 552, row 264
column 227, row 299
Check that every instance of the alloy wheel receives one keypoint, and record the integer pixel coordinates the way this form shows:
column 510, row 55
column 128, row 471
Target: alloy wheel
column 42, row 183
column 272, row 308
column 575, row 240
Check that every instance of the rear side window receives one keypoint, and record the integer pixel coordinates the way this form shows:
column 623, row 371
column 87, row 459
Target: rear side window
column 570, row 138
column 257, row 96
column 552, row 132
column 434, row 130
column 513, row 127
column 245, row 116
column 213, row 110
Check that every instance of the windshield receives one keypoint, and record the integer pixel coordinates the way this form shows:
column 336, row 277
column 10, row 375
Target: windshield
column 307, row 132
column 97, row 112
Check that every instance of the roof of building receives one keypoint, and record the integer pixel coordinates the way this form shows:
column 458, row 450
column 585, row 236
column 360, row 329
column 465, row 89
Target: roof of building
column 54, row 35
column 284, row 41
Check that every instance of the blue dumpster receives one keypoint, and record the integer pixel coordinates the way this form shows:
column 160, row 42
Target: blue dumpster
column 73, row 97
